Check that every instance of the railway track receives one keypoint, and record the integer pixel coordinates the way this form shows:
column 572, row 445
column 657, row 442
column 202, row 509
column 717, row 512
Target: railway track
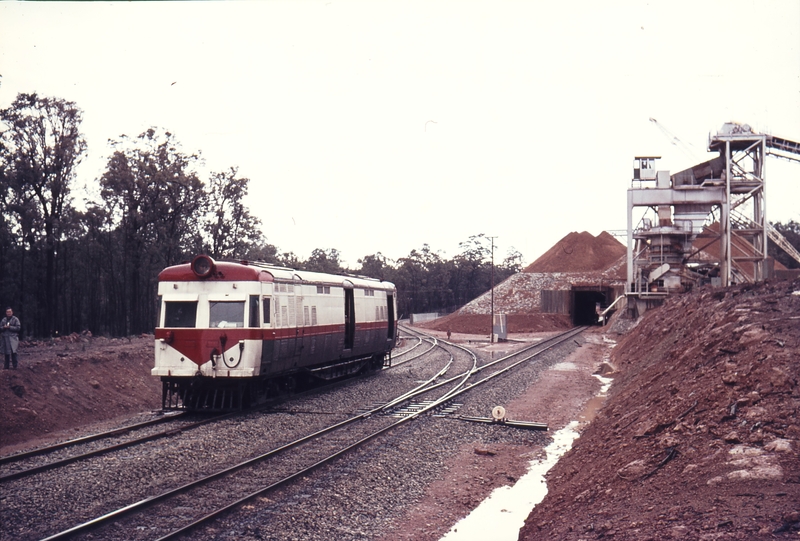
column 27, row 463
column 223, row 479
column 261, row 478
column 407, row 354
column 9, row 459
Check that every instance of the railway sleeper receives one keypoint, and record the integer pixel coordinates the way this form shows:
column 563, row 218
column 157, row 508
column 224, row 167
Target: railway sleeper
column 346, row 368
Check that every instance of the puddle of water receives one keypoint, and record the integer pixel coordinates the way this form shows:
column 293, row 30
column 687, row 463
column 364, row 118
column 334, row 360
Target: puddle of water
column 500, row 516
column 564, row 367
column 594, row 403
column 609, row 342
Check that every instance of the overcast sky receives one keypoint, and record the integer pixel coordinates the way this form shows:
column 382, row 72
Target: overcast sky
column 375, row 125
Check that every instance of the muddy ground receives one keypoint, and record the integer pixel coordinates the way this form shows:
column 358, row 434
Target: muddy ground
column 563, row 394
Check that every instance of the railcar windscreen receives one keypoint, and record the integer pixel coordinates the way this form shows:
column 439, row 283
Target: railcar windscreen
column 180, row 313
column 226, row 314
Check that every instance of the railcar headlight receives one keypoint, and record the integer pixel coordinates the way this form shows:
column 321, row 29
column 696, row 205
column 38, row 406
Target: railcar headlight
column 202, row 266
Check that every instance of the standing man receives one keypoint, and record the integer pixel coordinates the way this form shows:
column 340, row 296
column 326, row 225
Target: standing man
column 9, row 340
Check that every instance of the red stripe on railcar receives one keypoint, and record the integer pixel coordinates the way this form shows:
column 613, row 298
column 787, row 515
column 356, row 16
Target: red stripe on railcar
column 198, row 344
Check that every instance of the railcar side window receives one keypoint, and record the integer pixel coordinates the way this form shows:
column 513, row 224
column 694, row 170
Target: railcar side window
column 266, row 309
column 226, row 314
column 180, row 313
column 254, row 311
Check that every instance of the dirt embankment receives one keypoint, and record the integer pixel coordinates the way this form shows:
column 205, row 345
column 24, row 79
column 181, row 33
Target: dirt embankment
column 700, row 437
column 481, row 324
column 66, row 384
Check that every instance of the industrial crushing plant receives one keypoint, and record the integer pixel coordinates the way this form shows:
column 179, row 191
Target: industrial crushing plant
column 709, row 223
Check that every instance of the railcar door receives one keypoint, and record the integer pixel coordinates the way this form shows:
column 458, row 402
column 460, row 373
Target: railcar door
column 349, row 316
column 390, row 313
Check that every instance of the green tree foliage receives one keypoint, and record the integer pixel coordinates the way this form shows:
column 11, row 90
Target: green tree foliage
column 40, row 147
column 427, row 282
column 156, row 200
column 324, row 261
column 374, row 266
column 291, row 260
column 791, row 232
column 264, row 252
column 512, row 262
column 232, row 231
column 423, row 281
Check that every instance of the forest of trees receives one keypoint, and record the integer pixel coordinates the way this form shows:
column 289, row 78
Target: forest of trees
column 67, row 270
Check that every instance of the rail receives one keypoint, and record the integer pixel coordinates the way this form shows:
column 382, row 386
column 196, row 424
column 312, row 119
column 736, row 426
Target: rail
column 459, row 388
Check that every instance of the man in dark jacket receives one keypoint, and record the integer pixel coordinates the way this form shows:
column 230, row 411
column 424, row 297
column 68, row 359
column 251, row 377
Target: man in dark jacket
column 9, row 339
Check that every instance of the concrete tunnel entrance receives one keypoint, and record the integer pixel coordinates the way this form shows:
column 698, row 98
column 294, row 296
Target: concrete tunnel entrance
column 585, row 302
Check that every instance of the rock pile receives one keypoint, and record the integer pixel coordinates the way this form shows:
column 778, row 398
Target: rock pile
column 577, row 259
column 580, row 252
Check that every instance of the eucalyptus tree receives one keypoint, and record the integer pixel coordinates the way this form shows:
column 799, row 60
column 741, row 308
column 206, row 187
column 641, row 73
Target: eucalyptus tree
column 232, row 231
column 512, row 263
column 291, row 260
column 264, row 252
column 40, row 147
column 473, row 268
column 421, row 278
column 99, row 249
column 322, row 260
column 375, row 266
column 155, row 197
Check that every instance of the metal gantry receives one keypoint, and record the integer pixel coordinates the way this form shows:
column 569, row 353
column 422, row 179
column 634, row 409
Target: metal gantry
column 715, row 207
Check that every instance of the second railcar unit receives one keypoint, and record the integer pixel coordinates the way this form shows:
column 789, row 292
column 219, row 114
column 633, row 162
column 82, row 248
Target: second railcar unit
column 229, row 333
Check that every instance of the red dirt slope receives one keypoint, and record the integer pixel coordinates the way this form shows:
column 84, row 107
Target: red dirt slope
column 700, row 437
column 481, row 323
column 65, row 384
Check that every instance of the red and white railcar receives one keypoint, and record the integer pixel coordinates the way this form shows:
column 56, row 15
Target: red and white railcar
column 229, row 333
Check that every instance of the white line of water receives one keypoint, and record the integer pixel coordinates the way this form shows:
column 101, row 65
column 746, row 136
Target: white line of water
column 500, row 516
